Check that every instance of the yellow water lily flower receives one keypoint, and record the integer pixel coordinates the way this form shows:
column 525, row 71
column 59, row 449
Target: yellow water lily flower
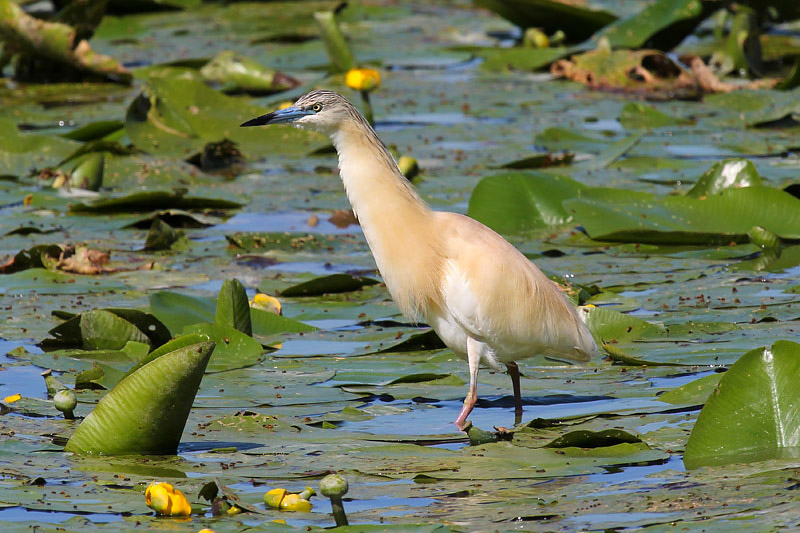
column 293, row 502
column 287, row 501
column 273, row 498
column 268, row 303
column 166, row 500
column 363, row 79
column 11, row 399
column 233, row 511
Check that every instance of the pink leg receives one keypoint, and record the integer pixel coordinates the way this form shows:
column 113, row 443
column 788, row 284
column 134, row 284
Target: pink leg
column 513, row 371
column 473, row 357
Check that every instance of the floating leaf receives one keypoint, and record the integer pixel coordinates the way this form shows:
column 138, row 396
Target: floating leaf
column 577, row 21
column 147, row 411
column 150, row 200
column 94, row 130
column 333, row 284
column 276, row 241
column 109, row 329
column 266, row 324
column 497, row 59
column 178, row 115
column 726, row 174
column 629, row 216
column 612, row 326
column 637, row 115
column 522, row 201
column 662, row 24
column 540, row 161
column 694, row 393
column 234, row 348
column 753, row 413
column 177, row 218
column 177, row 310
column 619, row 356
column 100, row 376
column 41, row 281
column 426, row 341
column 593, row 439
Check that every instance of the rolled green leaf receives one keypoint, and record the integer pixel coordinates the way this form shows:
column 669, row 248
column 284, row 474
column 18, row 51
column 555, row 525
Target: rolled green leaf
column 161, row 236
column 753, row 414
column 233, row 309
column 88, row 174
column 727, row 174
column 764, row 238
column 147, row 411
column 339, row 52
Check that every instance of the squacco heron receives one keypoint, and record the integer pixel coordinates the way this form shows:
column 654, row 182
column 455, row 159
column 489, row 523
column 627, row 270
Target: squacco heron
column 482, row 296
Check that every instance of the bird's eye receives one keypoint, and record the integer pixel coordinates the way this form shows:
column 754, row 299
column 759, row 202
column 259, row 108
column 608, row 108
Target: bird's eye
column 316, row 108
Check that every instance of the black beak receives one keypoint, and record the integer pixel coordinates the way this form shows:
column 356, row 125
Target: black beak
column 263, row 120
column 281, row 116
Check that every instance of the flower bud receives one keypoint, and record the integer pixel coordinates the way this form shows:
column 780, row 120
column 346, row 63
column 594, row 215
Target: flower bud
column 265, row 302
column 333, row 486
column 65, row 401
column 287, row 501
column 363, row 79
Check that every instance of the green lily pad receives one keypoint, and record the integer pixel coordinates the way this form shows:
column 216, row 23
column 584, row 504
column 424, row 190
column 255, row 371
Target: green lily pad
column 426, row 341
column 19, row 152
column 234, row 348
column 752, row 414
column 150, row 200
column 540, row 161
column 593, row 439
column 179, row 116
column 333, row 284
column 694, row 393
column 637, row 115
column 726, row 174
column 497, row 59
column 522, row 201
column 94, row 130
column 110, row 329
column 662, row 24
column 577, row 21
column 266, row 324
column 177, row 310
column 41, row 281
column 613, row 326
column 628, row 216
column 147, row 411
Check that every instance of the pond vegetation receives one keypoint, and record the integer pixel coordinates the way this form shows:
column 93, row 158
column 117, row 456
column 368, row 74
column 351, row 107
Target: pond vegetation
column 192, row 309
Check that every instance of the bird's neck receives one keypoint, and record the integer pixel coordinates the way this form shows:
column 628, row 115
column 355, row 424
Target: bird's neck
column 397, row 224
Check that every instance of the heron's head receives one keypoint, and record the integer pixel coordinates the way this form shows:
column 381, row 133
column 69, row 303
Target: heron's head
column 322, row 111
